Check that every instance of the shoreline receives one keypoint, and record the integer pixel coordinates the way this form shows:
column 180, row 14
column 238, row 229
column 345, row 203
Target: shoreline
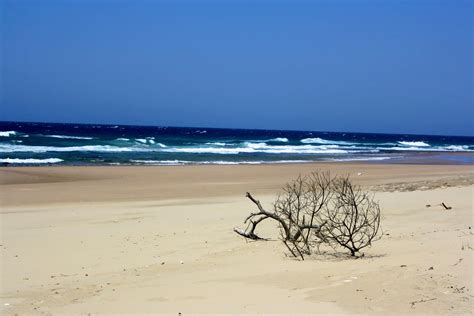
column 410, row 158
column 39, row 185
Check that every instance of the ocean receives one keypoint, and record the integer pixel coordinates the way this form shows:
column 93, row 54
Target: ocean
column 24, row 143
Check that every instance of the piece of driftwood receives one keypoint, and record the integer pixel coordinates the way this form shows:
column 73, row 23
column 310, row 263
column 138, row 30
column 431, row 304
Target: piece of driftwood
column 442, row 204
column 445, row 207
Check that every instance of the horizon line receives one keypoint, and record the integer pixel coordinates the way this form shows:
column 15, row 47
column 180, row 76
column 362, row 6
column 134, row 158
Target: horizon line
column 235, row 128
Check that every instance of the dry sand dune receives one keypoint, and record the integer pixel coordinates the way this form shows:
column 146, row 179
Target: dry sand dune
column 160, row 240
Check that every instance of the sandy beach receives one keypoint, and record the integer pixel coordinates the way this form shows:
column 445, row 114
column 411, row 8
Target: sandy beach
column 160, row 240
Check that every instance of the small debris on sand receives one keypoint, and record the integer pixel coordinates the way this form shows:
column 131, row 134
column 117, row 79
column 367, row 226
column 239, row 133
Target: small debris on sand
column 446, row 207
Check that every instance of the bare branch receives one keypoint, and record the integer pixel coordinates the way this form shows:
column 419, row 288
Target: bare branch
column 319, row 209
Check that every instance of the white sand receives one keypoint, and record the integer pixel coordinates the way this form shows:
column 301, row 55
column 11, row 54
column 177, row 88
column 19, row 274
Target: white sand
column 96, row 240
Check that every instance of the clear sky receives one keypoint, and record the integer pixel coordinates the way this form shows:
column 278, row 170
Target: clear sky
column 360, row 66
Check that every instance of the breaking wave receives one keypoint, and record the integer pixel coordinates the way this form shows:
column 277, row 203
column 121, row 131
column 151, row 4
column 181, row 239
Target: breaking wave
column 415, row 144
column 322, row 141
column 457, row 148
column 67, row 137
column 278, row 140
column 451, row 148
column 360, row 159
column 258, row 148
column 223, row 149
column 29, row 160
column 144, row 140
column 7, row 133
column 43, row 149
column 216, row 144
column 149, row 141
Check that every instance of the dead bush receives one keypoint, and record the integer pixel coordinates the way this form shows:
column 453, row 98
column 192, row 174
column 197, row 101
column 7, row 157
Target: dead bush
column 316, row 210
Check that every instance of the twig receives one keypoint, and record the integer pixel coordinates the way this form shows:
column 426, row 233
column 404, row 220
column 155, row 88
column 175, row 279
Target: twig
column 446, row 207
column 421, row 301
column 459, row 261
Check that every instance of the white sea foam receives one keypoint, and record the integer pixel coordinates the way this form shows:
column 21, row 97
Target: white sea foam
column 7, row 133
column 67, row 137
column 247, row 148
column 149, row 141
column 427, row 149
column 160, row 162
column 258, row 148
column 408, row 149
column 208, row 150
column 278, row 139
column 243, row 148
column 7, row 148
column 212, row 162
column 146, row 141
column 457, row 148
column 414, row 144
column 318, row 140
column 360, row 159
column 297, row 148
column 216, row 144
column 29, row 160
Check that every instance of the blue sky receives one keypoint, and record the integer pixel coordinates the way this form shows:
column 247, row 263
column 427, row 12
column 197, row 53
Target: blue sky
column 361, row 66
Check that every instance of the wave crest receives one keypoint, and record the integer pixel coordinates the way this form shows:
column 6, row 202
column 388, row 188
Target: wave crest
column 42, row 149
column 259, row 148
column 414, row 144
column 451, row 148
column 7, row 133
column 317, row 140
column 29, row 160
column 278, row 140
column 148, row 141
column 68, row 137
column 216, row 144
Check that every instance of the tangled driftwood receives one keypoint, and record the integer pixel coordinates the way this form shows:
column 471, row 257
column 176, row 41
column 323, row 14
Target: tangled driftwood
column 319, row 209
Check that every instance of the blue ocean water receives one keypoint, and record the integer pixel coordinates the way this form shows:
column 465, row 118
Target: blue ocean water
column 85, row 144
